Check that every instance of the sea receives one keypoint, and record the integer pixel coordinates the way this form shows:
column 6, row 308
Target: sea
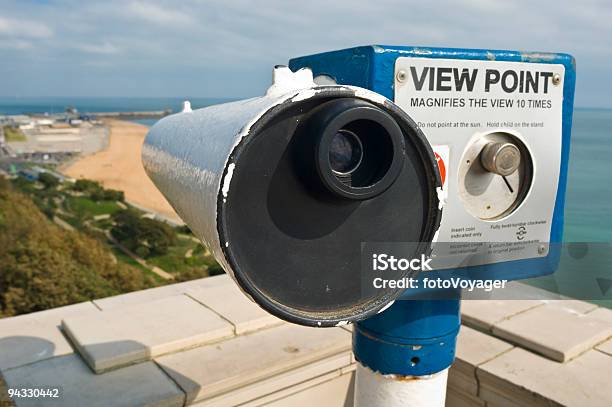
column 9, row 106
column 588, row 207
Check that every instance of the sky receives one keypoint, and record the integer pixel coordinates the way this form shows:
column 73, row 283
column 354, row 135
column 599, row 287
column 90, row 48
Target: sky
column 227, row 48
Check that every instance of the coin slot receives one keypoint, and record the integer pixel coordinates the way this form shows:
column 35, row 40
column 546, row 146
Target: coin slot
column 495, row 175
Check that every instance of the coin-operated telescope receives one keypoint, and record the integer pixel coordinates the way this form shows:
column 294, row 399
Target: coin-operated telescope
column 289, row 190
column 499, row 123
column 284, row 189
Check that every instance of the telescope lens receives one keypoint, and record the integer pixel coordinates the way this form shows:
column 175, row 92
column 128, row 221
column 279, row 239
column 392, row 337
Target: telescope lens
column 345, row 152
column 350, row 147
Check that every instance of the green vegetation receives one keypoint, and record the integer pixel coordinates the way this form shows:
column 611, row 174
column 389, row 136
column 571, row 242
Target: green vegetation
column 84, row 207
column 43, row 266
column 109, row 228
column 180, row 256
column 215, row 270
column 145, row 237
column 124, row 258
column 13, row 134
column 85, row 185
column 48, row 180
column 96, row 192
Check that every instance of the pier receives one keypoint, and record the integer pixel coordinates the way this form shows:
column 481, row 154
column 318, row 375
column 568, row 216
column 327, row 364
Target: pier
column 132, row 115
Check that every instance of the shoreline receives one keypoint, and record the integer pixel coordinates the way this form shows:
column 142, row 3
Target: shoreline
column 119, row 166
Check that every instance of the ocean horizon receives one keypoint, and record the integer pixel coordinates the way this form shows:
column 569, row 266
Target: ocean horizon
column 54, row 105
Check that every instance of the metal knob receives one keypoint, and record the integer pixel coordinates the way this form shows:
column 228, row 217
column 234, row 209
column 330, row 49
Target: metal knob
column 500, row 158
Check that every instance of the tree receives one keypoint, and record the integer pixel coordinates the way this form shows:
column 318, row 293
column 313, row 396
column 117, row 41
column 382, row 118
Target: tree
column 97, row 195
column 107, row 195
column 184, row 229
column 86, row 185
column 43, row 266
column 192, row 274
column 96, row 192
column 146, row 237
column 215, row 270
column 48, row 180
column 114, row 195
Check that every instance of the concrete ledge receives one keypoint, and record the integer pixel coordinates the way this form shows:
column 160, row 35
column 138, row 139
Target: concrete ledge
column 305, row 382
column 151, row 294
column 231, row 304
column 519, row 378
column 559, row 333
column 140, row 385
column 473, row 349
column 336, row 391
column 257, row 360
column 457, row 398
column 605, row 347
column 542, row 325
column 33, row 337
column 209, row 371
column 484, row 314
column 129, row 334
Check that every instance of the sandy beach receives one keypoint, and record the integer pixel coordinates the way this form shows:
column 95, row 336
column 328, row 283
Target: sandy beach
column 119, row 167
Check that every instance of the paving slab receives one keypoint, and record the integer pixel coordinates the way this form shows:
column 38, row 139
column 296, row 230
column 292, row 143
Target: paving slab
column 151, row 294
column 264, row 392
column 125, row 335
column 208, row 371
column 603, row 314
column 32, row 337
column 605, row 347
column 337, row 392
column 483, row 314
column 528, row 379
column 459, row 381
column 228, row 301
column 555, row 332
column 139, row 385
column 457, row 398
column 473, row 349
column 347, row 327
column 581, row 307
column 495, row 399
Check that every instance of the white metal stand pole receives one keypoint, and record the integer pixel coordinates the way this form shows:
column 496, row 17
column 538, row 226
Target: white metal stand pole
column 373, row 389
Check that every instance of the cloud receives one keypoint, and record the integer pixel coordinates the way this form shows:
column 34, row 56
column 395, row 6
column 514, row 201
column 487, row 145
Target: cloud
column 15, row 44
column 24, row 28
column 104, row 48
column 156, row 14
column 228, row 47
column 488, row 5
